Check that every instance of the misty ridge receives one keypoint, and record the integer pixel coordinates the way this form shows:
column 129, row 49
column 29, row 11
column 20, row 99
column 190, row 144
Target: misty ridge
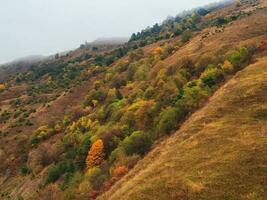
column 25, row 63
column 209, row 6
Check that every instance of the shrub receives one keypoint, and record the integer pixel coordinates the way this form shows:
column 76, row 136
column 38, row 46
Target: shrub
column 131, row 71
column 95, row 95
column 178, row 29
column 158, row 50
column 137, row 143
column 119, row 172
column 190, row 97
column 25, row 170
column 111, row 138
column 202, row 63
column 142, row 114
column 238, row 57
column 96, row 177
column 112, row 95
column 168, row 50
column 234, row 58
column 212, row 76
column 5, row 116
column 118, row 81
column 136, row 55
column 168, row 120
column 165, row 92
column 150, row 91
column 186, row 36
column 19, row 197
column 40, row 134
column 227, row 67
column 82, row 152
column 141, row 73
column 111, row 112
column 56, row 170
column 54, row 173
column 95, row 155
column 220, row 21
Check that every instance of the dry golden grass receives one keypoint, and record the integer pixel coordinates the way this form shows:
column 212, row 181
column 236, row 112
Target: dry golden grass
column 219, row 153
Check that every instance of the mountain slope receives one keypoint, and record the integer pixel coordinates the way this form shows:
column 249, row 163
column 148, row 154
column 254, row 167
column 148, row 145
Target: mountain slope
column 219, row 153
column 73, row 126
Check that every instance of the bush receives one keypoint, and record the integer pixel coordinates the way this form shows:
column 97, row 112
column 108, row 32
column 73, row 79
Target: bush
column 186, row 36
column 41, row 134
column 5, row 116
column 119, row 172
column 212, row 76
column 25, row 170
column 142, row 114
column 190, row 97
column 96, row 177
column 82, row 152
column 238, row 57
column 220, row 21
column 227, row 67
column 55, row 171
column 95, row 95
column 111, row 138
column 118, row 81
column 234, row 58
column 137, row 143
column 158, row 50
column 136, row 55
column 168, row 120
column 149, row 93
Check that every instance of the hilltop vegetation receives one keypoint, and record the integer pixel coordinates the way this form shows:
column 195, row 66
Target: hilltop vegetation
column 82, row 121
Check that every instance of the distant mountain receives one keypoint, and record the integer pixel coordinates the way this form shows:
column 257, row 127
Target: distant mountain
column 31, row 58
column 18, row 65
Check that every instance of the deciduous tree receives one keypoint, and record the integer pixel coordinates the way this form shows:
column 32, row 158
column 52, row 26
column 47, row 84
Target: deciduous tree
column 2, row 87
column 95, row 155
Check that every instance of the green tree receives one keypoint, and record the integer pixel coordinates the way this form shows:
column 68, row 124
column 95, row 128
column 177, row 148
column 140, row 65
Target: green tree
column 137, row 143
column 186, row 36
column 168, row 120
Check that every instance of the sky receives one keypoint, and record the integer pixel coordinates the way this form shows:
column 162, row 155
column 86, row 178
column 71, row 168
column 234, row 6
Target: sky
column 45, row 27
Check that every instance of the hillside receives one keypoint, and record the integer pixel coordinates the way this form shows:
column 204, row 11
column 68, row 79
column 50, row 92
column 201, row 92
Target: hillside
column 180, row 109
column 218, row 153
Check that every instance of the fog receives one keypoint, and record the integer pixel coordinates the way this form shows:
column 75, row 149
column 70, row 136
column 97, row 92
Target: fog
column 43, row 27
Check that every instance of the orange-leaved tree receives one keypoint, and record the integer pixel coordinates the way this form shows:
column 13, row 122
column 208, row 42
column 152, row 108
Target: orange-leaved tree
column 119, row 172
column 2, row 87
column 95, row 155
column 158, row 50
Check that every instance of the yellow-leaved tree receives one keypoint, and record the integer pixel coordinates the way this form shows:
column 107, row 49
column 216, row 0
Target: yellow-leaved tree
column 95, row 155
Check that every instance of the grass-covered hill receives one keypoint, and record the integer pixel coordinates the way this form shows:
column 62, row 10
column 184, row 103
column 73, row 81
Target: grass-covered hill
column 218, row 153
column 177, row 112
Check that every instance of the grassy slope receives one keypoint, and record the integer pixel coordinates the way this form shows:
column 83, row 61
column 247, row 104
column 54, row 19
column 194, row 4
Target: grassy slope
column 219, row 153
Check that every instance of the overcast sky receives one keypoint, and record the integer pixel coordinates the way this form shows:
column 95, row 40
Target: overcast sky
column 32, row 27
